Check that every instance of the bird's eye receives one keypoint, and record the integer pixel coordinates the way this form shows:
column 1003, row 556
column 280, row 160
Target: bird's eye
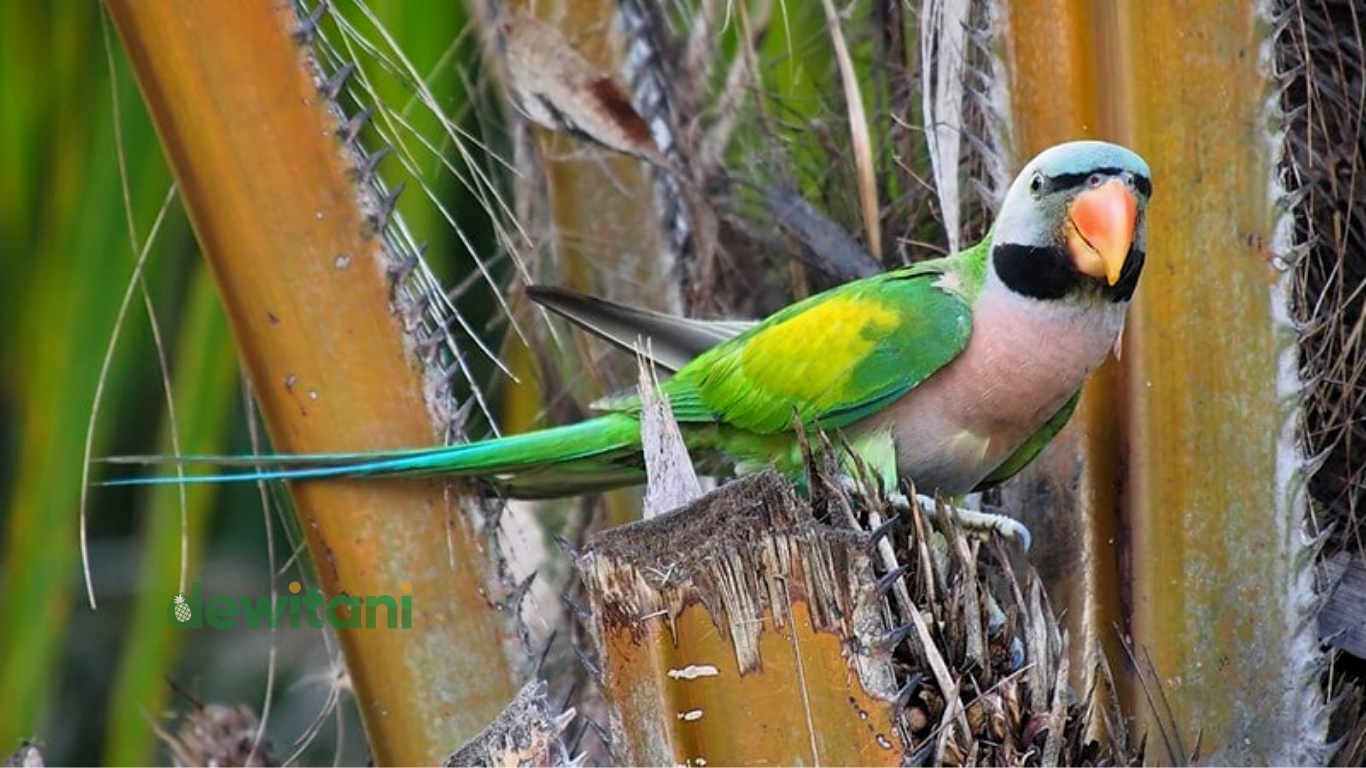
column 1036, row 184
column 1095, row 180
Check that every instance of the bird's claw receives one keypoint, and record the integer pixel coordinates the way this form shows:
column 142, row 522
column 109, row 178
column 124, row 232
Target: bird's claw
column 975, row 522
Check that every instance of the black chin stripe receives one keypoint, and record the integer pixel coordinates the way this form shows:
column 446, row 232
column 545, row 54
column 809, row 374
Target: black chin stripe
column 1048, row 273
column 1030, row 270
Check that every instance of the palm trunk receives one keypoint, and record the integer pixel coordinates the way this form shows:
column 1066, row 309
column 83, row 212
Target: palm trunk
column 291, row 237
column 1188, row 509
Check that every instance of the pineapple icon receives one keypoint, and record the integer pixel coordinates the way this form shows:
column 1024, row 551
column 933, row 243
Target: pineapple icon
column 182, row 609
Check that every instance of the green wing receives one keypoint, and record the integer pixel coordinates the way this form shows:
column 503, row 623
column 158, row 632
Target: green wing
column 835, row 357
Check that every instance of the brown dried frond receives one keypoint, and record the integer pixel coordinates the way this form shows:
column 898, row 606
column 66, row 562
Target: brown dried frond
column 1321, row 67
column 803, row 145
column 217, row 734
column 1322, row 62
column 1008, row 700
column 528, row 731
column 995, row 628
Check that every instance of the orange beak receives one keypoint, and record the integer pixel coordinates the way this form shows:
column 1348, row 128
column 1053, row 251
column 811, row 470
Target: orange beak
column 1100, row 229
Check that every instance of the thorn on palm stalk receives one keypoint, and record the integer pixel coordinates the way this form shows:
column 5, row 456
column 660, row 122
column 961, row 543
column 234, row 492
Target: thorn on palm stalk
column 333, row 85
column 349, row 131
column 893, row 639
column 451, row 373
column 876, row 535
column 405, row 267
column 579, row 610
column 587, row 660
column 568, row 547
column 904, row 694
column 565, row 702
column 457, row 421
column 431, row 344
column 432, row 338
column 378, row 220
column 538, row 669
column 512, row 602
column 604, row 737
column 307, row 30
column 889, row 580
column 576, row 740
column 365, row 170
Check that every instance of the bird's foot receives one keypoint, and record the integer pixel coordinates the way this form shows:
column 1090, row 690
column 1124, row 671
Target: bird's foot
column 974, row 522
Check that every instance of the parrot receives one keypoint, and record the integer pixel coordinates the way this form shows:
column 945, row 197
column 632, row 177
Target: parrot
column 952, row 373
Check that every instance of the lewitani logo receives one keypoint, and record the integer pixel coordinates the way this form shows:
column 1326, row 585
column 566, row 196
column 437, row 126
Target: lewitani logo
column 342, row 611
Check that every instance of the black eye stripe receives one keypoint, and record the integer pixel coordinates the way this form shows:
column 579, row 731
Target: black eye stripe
column 1143, row 184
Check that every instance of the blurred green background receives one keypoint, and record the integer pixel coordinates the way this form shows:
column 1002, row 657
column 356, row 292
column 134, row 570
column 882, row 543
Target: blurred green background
column 86, row 192
column 87, row 684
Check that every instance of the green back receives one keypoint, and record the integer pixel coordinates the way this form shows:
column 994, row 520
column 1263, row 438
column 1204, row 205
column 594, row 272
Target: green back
column 836, row 357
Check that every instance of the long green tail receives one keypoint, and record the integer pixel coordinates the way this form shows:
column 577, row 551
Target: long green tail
column 593, row 455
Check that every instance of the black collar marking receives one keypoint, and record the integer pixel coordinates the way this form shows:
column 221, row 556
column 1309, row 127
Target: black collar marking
column 1048, row 272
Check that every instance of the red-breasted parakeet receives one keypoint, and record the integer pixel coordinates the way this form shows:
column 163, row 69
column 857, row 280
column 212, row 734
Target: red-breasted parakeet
column 953, row 373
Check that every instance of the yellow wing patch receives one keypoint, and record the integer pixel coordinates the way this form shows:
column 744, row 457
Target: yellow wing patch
column 833, row 358
column 832, row 337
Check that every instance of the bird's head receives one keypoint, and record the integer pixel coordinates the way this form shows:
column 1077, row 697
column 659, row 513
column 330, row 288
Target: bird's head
column 1074, row 222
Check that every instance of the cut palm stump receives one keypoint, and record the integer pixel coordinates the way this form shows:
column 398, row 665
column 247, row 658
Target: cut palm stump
column 739, row 631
